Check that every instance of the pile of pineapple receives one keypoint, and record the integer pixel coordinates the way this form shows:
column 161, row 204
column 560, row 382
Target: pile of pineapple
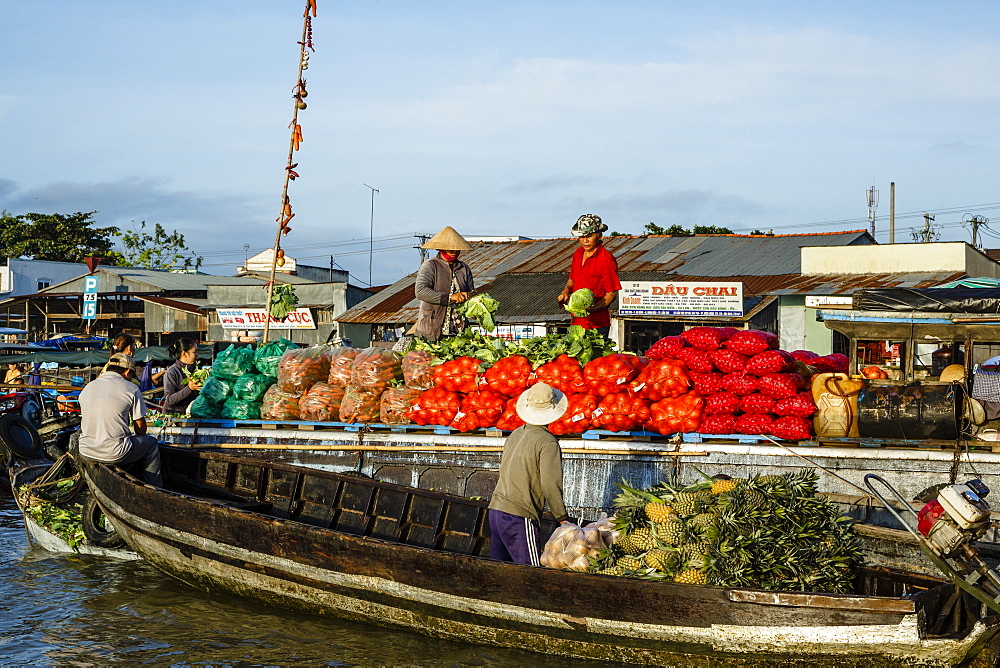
column 766, row 532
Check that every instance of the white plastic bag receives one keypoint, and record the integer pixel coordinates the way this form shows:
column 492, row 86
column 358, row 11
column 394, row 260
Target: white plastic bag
column 571, row 546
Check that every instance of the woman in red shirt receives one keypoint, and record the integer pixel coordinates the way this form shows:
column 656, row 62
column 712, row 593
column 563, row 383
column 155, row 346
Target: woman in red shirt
column 595, row 268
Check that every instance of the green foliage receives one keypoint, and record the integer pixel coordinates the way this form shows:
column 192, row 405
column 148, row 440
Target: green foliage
column 678, row 231
column 486, row 349
column 158, row 250
column 283, row 301
column 58, row 237
column 65, row 522
column 481, row 309
column 583, row 344
column 198, row 375
column 580, row 302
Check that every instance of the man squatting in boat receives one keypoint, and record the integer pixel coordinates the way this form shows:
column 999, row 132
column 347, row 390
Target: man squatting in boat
column 110, row 406
column 530, row 476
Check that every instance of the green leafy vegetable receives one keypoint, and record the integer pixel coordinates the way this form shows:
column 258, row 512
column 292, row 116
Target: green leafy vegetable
column 580, row 302
column 481, row 309
column 283, row 301
column 487, row 349
column 198, row 376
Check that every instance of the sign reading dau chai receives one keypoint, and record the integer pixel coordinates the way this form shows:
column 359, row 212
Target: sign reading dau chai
column 708, row 298
column 254, row 318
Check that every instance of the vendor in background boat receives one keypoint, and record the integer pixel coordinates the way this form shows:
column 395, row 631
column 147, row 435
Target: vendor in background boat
column 14, row 373
column 595, row 268
column 178, row 391
column 530, row 477
column 113, row 421
column 442, row 283
column 986, row 392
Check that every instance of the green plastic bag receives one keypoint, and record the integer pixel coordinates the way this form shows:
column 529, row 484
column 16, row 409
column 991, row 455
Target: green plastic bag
column 252, row 386
column 216, row 391
column 233, row 362
column 240, row 409
column 203, row 408
column 269, row 354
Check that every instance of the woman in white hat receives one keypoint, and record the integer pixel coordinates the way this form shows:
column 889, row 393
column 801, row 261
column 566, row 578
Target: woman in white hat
column 530, row 478
column 442, row 283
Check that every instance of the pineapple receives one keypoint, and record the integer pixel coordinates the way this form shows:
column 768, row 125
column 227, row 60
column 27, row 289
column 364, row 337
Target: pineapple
column 643, row 539
column 661, row 560
column 691, row 576
column 672, row 533
column 702, row 522
column 724, row 486
column 687, row 503
column 629, row 563
column 659, row 512
column 613, row 570
column 629, row 545
column 695, row 555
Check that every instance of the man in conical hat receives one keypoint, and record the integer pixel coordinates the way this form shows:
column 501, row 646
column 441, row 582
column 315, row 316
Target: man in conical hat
column 443, row 282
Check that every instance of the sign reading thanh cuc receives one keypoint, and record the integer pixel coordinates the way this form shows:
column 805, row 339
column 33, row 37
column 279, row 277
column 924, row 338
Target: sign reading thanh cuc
column 254, row 318
column 687, row 298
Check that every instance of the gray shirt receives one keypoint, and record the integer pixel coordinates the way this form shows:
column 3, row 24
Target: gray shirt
column 432, row 288
column 108, row 406
column 530, row 475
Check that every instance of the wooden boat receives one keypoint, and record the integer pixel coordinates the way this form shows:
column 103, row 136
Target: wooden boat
column 382, row 553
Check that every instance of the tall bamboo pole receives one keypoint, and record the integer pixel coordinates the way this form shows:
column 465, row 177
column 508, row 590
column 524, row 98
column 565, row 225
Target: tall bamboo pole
column 285, row 211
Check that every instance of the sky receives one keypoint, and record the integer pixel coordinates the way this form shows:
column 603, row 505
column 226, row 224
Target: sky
column 506, row 118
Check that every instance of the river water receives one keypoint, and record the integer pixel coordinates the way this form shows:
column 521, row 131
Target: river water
column 64, row 610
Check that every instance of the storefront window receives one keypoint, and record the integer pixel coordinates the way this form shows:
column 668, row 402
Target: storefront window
column 889, row 357
column 930, row 359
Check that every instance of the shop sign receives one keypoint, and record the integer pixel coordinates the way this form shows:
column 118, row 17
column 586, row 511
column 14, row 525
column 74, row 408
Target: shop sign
column 89, row 298
column 254, row 318
column 689, row 298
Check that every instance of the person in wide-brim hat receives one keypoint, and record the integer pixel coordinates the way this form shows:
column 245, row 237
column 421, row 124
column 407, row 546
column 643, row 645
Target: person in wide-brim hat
column 442, row 283
column 530, row 478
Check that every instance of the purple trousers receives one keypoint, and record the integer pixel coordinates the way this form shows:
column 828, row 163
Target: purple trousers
column 514, row 539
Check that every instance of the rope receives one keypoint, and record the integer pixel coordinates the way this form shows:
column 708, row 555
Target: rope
column 37, row 492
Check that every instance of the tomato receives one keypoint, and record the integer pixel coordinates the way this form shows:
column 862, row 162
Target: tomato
column 678, row 414
column 874, row 373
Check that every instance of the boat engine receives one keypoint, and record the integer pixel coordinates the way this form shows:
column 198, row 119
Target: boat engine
column 958, row 516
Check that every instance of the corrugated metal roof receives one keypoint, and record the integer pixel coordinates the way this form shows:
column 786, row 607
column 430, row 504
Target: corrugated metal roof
column 175, row 304
column 168, row 280
column 758, row 261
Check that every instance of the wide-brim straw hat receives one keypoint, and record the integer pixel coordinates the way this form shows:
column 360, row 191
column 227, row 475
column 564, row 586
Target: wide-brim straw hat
column 447, row 240
column 953, row 373
column 541, row 404
column 974, row 411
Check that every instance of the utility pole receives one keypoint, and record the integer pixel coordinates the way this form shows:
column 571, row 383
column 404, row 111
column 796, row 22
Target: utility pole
column 892, row 212
column 928, row 234
column 422, row 238
column 975, row 222
column 371, row 238
column 872, row 208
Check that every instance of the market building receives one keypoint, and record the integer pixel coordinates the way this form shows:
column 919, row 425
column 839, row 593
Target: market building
column 780, row 279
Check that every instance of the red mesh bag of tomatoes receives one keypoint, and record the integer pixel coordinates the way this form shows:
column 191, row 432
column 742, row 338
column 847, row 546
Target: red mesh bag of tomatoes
column 718, row 424
column 579, row 413
column 707, row 338
column 509, row 420
column 563, row 373
column 278, row 405
column 341, row 361
column 615, row 413
column 359, row 405
column 611, row 373
column 781, row 385
column 321, row 403
column 301, row 368
column 395, row 404
column 739, row 383
column 678, row 414
column 418, row 369
column 706, row 384
column 803, row 355
column 754, row 423
column 458, row 375
column 728, row 361
column 801, row 405
column 757, row 403
column 770, row 361
column 435, row 406
column 792, row 428
column 751, row 341
column 696, row 360
column 486, row 404
column 722, row 403
column 665, row 347
column 509, row 375
column 661, row 379
column 375, row 369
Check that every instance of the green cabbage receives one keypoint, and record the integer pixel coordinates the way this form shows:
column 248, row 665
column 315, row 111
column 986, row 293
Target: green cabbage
column 480, row 308
column 580, row 302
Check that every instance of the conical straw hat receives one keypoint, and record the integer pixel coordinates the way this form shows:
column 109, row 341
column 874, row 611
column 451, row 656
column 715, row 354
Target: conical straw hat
column 446, row 240
column 953, row 372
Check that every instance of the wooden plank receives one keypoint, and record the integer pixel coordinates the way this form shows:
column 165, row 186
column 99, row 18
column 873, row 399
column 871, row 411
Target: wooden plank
column 440, row 448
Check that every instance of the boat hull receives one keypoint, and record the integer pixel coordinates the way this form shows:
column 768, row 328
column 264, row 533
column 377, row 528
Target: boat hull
column 216, row 547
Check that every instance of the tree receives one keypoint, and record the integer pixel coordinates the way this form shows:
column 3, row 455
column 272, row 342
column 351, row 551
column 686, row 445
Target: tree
column 760, row 233
column 678, row 231
column 63, row 238
column 158, row 250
